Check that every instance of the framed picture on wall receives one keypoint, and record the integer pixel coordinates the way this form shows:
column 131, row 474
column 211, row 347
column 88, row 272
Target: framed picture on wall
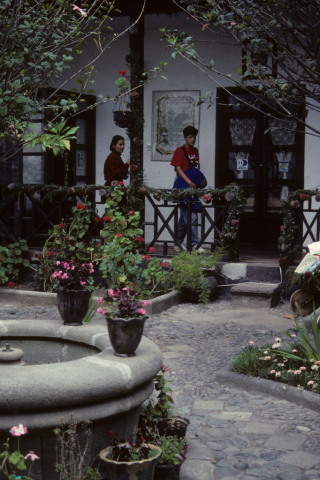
column 173, row 110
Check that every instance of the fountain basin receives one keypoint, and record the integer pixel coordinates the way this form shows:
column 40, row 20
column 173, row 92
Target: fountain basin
column 84, row 378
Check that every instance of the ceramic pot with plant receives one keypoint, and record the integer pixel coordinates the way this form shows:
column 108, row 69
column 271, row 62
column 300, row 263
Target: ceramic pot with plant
column 73, row 284
column 130, row 460
column 194, row 275
column 126, row 324
column 173, row 456
column 156, row 415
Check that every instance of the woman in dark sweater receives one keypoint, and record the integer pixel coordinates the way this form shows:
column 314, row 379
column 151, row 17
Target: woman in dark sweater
column 114, row 168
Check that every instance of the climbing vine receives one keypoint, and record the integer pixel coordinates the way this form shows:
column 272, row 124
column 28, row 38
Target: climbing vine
column 291, row 210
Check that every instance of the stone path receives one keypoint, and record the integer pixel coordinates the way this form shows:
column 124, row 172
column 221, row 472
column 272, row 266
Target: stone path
column 233, row 434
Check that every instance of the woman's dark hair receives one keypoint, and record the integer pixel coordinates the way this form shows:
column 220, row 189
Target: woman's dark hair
column 114, row 141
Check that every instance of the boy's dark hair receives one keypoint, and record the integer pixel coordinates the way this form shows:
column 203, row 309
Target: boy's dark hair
column 190, row 131
column 115, row 140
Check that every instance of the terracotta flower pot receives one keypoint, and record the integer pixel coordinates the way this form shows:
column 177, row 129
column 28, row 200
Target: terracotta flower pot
column 125, row 334
column 73, row 305
column 140, row 469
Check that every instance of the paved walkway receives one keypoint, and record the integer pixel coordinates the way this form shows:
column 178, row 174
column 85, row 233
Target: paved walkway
column 233, row 434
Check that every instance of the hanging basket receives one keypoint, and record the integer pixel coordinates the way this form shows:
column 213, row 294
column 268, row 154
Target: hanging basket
column 122, row 119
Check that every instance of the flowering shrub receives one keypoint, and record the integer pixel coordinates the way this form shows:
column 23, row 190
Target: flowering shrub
column 127, row 302
column 67, row 242
column 12, row 259
column 295, row 361
column 10, row 463
column 72, row 275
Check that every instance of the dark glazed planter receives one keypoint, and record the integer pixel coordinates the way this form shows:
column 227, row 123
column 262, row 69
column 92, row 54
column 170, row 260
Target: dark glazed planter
column 140, row 469
column 177, row 426
column 122, row 119
column 125, row 334
column 192, row 296
column 167, row 472
column 73, row 305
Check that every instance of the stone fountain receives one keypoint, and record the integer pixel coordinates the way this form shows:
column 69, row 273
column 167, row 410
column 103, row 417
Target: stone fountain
column 70, row 370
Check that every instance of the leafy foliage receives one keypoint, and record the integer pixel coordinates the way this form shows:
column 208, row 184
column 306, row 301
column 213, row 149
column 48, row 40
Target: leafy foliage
column 188, row 271
column 129, row 452
column 280, row 42
column 67, row 242
column 296, row 363
column 12, row 259
column 128, row 304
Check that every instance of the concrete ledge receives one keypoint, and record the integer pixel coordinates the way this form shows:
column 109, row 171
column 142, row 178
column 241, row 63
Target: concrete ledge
column 275, row 389
column 156, row 305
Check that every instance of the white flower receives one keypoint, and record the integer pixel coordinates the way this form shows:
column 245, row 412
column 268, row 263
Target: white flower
column 297, row 372
column 293, row 336
column 295, row 351
column 276, row 345
column 272, row 371
column 266, row 351
column 312, row 360
column 278, row 340
column 278, row 374
column 280, row 364
column 311, row 382
column 315, row 367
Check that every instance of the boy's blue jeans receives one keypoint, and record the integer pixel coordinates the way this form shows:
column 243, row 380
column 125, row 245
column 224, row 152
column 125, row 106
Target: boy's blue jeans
column 182, row 229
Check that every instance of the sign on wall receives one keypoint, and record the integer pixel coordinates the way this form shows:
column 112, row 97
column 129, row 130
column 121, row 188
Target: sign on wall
column 173, row 110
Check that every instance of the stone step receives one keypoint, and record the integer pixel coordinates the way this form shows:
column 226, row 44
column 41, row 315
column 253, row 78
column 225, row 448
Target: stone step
column 255, row 295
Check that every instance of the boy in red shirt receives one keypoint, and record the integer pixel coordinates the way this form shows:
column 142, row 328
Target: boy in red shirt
column 180, row 163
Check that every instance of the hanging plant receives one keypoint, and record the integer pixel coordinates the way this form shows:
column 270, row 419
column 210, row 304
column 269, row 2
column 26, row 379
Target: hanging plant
column 121, row 115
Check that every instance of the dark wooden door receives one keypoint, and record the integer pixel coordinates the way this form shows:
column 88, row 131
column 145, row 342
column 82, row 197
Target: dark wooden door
column 264, row 155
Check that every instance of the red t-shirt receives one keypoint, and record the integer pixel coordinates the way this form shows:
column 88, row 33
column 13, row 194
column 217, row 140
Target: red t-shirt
column 179, row 158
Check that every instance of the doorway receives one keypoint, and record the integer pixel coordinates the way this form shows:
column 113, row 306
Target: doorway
column 265, row 156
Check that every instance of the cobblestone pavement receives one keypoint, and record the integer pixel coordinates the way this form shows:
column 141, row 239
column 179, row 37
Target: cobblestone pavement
column 234, row 434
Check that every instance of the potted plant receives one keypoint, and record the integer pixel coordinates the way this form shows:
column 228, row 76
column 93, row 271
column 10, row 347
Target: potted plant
column 126, row 324
column 73, row 284
column 122, row 117
column 194, row 275
column 173, row 455
column 157, row 414
column 130, row 460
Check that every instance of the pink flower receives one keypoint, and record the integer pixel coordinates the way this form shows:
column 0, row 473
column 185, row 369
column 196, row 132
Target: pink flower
column 32, row 456
column 317, row 362
column 99, row 300
column 82, row 282
column 111, row 292
column 297, row 372
column 18, row 431
column 303, row 368
column 58, row 262
column 272, row 371
column 102, row 310
column 75, row 7
column 65, row 276
column 145, row 303
column 141, row 311
column 152, row 249
column 251, row 342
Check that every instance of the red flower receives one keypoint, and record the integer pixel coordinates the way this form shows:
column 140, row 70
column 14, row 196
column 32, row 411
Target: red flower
column 133, row 167
column 96, row 220
column 145, row 257
column 281, row 228
column 66, row 238
column 38, row 257
column 106, row 219
column 119, row 235
column 132, row 212
column 122, row 72
column 50, row 253
column 121, row 183
column 152, row 249
column 164, row 264
column 303, row 196
column 80, row 206
column 60, row 225
column 11, row 284
column 139, row 239
column 207, row 198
